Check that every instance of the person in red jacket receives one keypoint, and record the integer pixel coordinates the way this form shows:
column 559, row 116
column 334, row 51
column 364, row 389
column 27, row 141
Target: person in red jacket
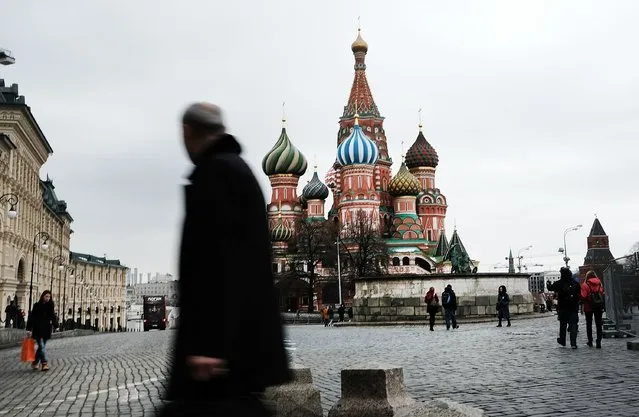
column 592, row 293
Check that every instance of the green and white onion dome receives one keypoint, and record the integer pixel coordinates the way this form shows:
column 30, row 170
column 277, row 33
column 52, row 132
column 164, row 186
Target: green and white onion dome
column 281, row 233
column 315, row 189
column 404, row 183
column 284, row 158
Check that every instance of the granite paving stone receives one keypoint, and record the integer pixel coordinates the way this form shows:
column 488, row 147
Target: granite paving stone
column 515, row 371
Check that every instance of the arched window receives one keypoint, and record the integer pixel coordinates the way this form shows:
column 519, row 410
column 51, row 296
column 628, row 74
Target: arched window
column 405, row 260
column 396, row 261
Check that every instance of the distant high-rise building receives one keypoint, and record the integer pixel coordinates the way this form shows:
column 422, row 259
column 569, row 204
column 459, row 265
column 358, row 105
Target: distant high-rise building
column 135, row 276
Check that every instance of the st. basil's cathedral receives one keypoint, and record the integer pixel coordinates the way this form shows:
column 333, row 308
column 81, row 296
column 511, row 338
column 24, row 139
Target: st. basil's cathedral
column 408, row 209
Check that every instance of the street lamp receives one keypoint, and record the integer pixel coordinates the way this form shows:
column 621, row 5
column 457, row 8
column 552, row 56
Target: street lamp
column 564, row 250
column 519, row 257
column 60, row 261
column 339, row 272
column 12, row 199
column 64, row 293
column 75, row 288
column 45, row 237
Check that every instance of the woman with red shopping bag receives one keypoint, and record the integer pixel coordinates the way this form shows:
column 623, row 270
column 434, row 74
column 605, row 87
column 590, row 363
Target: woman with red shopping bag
column 40, row 324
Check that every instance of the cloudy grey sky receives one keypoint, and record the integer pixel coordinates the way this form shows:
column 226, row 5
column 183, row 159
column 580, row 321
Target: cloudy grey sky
column 532, row 107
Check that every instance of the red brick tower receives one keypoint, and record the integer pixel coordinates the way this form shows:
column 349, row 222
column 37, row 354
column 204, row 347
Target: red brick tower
column 360, row 101
column 422, row 160
column 284, row 164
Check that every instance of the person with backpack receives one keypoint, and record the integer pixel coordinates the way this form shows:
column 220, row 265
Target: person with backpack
column 449, row 302
column 592, row 297
column 432, row 306
column 568, row 293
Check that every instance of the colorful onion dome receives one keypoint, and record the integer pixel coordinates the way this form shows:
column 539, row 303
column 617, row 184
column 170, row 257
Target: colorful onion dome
column 284, row 158
column 421, row 153
column 315, row 189
column 404, row 183
column 281, row 233
column 303, row 201
column 357, row 148
column 359, row 44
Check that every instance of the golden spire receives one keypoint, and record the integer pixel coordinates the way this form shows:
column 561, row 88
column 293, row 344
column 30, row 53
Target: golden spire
column 360, row 44
column 420, row 119
column 356, row 115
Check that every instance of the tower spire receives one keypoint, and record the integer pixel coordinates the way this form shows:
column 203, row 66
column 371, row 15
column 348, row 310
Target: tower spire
column 420, row 119
column 283, row 114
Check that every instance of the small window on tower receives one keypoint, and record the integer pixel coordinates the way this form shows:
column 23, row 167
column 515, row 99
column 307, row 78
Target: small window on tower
column 376, row 130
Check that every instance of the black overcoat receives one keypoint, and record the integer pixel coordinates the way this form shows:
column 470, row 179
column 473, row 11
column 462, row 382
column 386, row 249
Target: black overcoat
column 228, row 305
column 42, row 320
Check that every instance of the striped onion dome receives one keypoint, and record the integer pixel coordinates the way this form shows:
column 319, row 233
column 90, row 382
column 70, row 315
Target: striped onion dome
column 357, row 148
column 284, row 158
column 315, row 189
column 404, row 183
column 330, row 179
column 421, row 153
column 281, row 233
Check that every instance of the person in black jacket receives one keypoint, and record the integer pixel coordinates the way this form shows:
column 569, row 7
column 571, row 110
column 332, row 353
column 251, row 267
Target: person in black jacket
column 568, row 291
column 39, row 326
column 449, row 302
column 224, row 357
column 503, row 309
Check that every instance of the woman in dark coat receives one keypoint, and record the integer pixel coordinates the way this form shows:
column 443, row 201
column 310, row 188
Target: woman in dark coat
column 503, row 311
column 40, row 324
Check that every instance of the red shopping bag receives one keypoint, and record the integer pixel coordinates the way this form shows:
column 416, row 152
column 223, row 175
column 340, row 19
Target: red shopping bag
column 28, row 350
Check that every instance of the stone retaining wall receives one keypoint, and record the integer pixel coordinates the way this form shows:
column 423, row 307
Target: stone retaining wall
column 401, row 298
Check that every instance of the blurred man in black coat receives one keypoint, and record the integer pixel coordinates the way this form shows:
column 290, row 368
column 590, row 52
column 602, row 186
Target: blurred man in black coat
column 229, row 345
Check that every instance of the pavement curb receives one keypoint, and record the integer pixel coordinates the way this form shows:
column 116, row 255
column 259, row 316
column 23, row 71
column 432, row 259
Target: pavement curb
column 13, row 337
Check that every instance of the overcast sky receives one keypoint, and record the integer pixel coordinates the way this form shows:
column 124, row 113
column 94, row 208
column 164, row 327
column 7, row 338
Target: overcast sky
column 531, row 106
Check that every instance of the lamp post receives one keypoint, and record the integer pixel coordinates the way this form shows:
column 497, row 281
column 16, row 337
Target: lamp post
column 339, row 272
column 12, row 199
column 44, row 245
column 564, row 250
column 519, row 257
column 64, row 292
column 75, row 288
column 60, row 261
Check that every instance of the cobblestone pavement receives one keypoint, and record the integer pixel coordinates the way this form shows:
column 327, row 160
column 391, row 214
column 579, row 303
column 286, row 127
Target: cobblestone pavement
column 516, row 371
column 117, row 374
column 508, row 371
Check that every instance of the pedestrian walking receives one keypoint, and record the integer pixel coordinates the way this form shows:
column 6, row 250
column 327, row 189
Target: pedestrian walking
column 449, row 302
column 503, row 309
column 432, row 306
column 224, row 357
column 40, row 324
column 568, row 293
column 340, row 312
column 592, row 297
column 10, row 312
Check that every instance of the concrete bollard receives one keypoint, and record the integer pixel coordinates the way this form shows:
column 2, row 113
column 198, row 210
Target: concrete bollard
column 633, row 345
column 373, row 391
column 299, row 398
column 378, row 391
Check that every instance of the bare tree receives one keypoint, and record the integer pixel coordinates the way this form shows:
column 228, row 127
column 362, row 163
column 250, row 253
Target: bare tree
column 631, row 262
column 365, row 251
column 313, row 245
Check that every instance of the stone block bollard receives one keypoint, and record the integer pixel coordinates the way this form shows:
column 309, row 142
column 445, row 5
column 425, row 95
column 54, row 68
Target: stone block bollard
column 373, row 391
column 299, row 398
